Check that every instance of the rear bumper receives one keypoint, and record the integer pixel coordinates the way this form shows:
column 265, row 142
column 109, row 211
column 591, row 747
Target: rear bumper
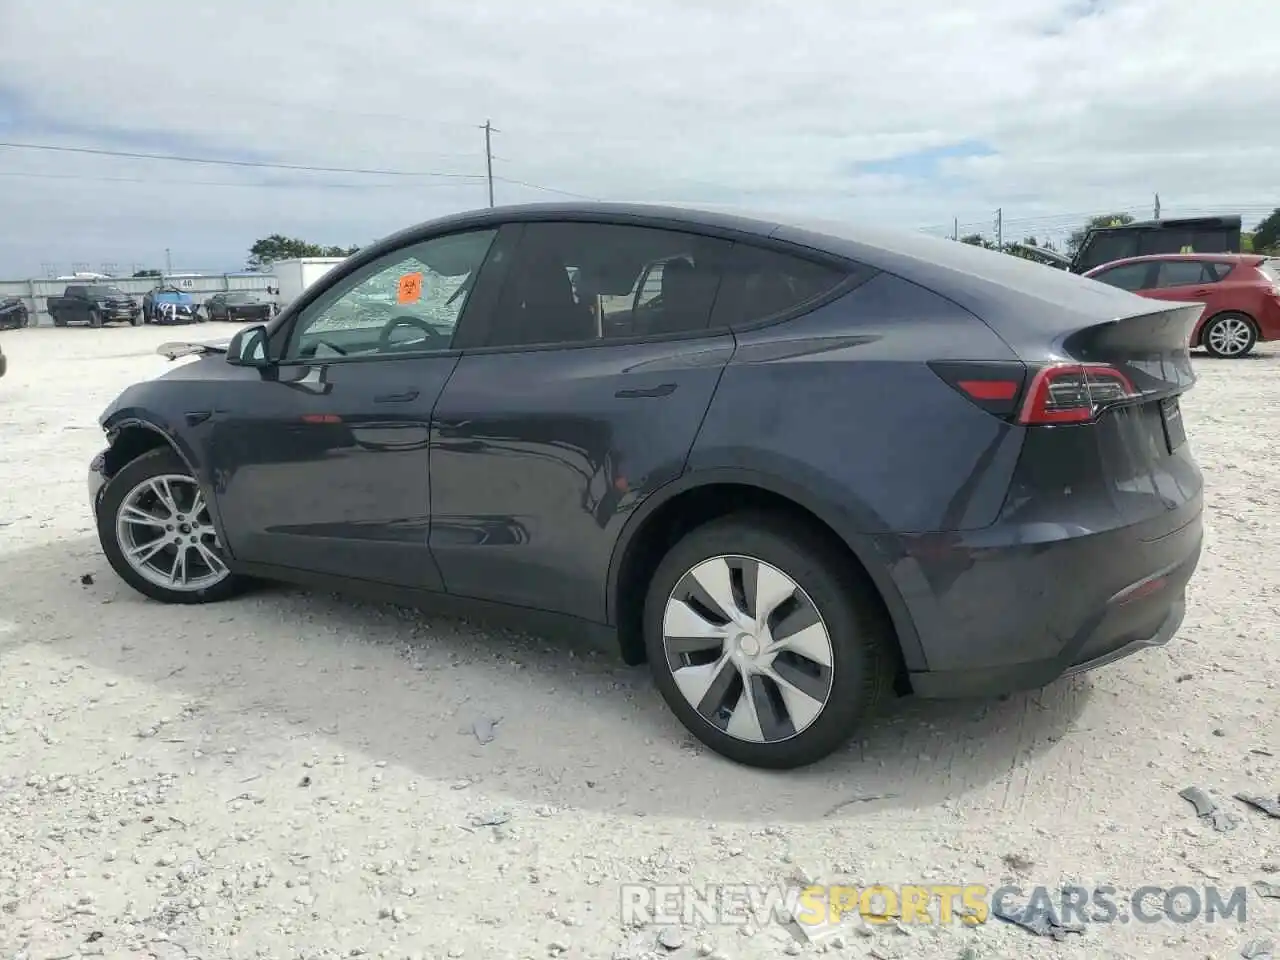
column 4, row 364
column 1019, row 618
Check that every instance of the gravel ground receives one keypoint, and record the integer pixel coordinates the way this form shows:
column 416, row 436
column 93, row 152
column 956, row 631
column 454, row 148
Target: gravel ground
column 297, row 775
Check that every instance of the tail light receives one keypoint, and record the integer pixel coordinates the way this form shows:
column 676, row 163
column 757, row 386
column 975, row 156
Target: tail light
column 1073, row 393
column 1060, row 393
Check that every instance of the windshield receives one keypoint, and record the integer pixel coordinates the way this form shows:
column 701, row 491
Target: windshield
column 102, row 292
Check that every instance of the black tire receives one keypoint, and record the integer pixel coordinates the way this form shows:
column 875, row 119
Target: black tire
column 862, row 639
column 58, row 321
column 154, row 463
column 95, row 318
column 136, row 320
column 1219, row 323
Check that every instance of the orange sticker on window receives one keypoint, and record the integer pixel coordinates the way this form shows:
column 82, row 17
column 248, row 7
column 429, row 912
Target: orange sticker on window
column 410, row 288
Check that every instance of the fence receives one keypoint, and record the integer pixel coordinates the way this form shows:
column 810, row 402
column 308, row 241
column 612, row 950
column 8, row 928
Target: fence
column 36, row 293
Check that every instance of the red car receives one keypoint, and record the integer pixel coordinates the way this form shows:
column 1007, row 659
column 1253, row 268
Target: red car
column 1240, row 291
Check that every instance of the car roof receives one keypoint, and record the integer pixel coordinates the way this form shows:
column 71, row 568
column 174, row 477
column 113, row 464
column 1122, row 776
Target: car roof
column 989, row 284
column 1245, row 259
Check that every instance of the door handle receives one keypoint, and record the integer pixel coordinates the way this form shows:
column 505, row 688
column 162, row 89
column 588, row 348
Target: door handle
column 661, row 390
column 1202, row 292
column 404, row 397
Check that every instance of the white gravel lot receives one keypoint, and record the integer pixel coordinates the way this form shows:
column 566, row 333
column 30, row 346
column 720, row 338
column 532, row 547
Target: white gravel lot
column 296, row 775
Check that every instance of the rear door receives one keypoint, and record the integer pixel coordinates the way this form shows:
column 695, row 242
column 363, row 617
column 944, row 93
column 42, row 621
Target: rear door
column 74, row 307
column 582, row 398
column 1190, row 281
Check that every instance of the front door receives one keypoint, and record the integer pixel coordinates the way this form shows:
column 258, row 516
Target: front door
column 322, row 463
column 586, row 397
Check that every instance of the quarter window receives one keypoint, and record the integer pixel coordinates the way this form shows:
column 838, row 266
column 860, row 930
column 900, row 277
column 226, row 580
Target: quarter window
column 408, row 301
column 760, row 283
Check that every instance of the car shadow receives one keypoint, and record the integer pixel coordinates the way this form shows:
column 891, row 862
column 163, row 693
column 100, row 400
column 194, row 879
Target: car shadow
column 571, row 726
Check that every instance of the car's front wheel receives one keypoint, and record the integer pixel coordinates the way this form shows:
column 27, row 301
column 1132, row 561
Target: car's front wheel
column 155, row 528
column 764, row 643
column 1229, row 335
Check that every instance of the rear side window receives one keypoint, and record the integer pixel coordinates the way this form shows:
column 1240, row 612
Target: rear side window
column 581, row 282
column 1131, row 276
column 760, row 283
column 1186, row 273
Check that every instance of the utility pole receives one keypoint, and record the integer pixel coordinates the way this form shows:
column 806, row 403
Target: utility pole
column 168, row 262
column 1000, row 228
column 1157, row 206
column 489, row 131
column 955, row 228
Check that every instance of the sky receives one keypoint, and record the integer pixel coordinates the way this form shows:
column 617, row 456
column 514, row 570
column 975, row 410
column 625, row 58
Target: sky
column 910, row 115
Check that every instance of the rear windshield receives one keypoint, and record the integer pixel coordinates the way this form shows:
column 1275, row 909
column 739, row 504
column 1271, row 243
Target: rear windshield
column 103, row 292
column 1270, row 269
column 240, row 298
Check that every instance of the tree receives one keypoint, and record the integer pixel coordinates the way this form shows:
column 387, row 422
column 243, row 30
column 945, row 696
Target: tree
column 1076, row 241
column 268, row 250
column 1266, row 238
column 148, row 273
column 978, row 240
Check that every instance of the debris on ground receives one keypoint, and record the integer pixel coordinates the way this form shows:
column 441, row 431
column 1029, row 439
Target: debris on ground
column 669, row 938
column 1017, row 861
column 1041, row 922
column 1268, row 805
column 1258, row 950
column 494, row 818
column 87, row 579
column 1269, row 890
column 1207, row 809
column 483, row 728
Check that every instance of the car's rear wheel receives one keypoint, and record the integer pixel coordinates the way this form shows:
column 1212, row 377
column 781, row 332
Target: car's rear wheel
column 764, row 643
column 1229, row 335
column 95, row 318
column 155, row 528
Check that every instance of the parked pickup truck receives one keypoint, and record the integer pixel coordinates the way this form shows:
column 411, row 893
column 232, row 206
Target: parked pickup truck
column 94, row 304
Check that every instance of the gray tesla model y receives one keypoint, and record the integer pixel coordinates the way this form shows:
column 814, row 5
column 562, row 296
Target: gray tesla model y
column 795, row 468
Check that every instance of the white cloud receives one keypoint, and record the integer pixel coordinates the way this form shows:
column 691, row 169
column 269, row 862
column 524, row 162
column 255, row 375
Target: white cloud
column 755, row 102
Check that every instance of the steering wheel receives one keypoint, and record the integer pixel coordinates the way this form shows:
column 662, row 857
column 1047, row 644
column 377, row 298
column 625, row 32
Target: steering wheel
column 384, row 338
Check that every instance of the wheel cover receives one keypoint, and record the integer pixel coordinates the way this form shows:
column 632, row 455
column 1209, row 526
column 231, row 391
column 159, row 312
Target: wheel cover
column 748, row 649
column 1230, row 336
column 166, row 535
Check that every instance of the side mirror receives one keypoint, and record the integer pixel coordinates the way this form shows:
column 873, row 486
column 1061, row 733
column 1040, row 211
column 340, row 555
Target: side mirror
column 248, row 348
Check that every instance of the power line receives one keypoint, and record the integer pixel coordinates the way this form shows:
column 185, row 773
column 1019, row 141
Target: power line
column 226, row 183
column 257, row 164
column 538, row 186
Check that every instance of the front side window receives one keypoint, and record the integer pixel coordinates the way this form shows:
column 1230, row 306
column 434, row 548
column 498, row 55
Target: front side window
column 581, row 282
column 408, row 301
column 1131, row 276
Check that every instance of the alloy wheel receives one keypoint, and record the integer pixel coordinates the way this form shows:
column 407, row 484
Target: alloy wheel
column 167, row 536
column 1230, row 336
column 748, row 649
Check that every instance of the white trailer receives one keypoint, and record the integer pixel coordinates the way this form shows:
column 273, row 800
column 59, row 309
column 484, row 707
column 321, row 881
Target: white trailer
column 294, row 276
